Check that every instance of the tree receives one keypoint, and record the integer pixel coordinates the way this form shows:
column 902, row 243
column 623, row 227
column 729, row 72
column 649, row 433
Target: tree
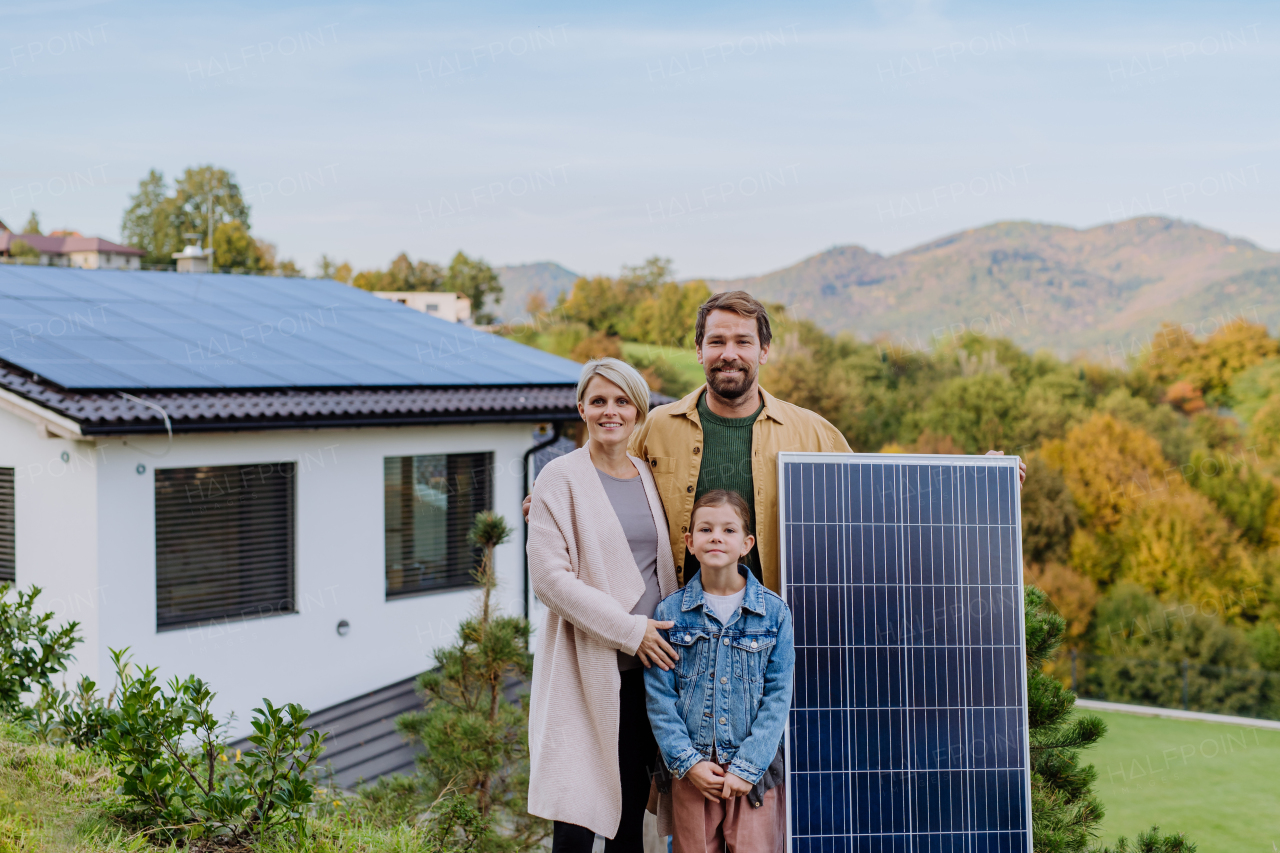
column 477, row 742
column 234, row 248
column 1180, row 547
column 602, row 303
column 667, row 318
column 1264, row 429
column 598, row 345
column 33, row 224
column 203, row 198
column 476, row 280
column 1108, row 465
column 648, row 275
column 19, row 248
column 1072, row 594
column 1209, row 366
column 1048, row 514
column 1246, row 497
column 148, row 222
column 327, row 267
column 1140, row 646
column 403, row 275
column 1254, row 387
column 1064, row 810
column 206, row 196
column 804, row 368
column 977, row 411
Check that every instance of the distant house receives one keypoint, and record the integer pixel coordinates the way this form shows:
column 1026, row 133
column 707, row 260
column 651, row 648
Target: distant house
column 264, row 481
column 70, row 249
column 453, row 307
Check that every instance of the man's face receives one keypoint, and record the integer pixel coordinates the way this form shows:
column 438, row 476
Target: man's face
column 731, row 354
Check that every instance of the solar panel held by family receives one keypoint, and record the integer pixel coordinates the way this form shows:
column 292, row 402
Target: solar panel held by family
column 908, row 729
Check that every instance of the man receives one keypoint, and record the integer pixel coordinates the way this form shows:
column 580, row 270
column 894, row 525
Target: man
column 727, row 434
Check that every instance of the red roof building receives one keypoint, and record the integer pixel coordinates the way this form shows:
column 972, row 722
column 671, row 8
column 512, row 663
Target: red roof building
column 70, row 249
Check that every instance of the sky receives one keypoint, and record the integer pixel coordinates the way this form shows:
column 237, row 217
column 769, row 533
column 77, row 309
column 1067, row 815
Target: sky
column 733, row 138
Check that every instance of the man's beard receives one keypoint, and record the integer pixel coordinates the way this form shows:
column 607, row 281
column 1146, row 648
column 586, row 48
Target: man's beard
column 731, row 389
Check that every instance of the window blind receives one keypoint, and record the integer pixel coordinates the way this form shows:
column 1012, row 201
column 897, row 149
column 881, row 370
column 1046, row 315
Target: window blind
column 431, row 503
column 224, row 542
column 8, row 557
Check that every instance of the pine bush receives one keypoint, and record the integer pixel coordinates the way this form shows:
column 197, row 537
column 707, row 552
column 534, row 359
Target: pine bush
column 477, row 742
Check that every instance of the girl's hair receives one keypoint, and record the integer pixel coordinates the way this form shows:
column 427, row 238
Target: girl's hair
column 621, row 374
column 724, row 497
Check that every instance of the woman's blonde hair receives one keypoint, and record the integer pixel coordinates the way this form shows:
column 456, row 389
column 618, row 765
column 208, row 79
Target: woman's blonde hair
column 621, row 374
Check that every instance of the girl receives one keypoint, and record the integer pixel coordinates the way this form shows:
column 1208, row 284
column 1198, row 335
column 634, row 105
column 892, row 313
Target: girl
column 719, row 714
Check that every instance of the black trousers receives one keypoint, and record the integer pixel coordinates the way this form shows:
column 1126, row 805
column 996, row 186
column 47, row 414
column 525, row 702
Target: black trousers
column 637, row 750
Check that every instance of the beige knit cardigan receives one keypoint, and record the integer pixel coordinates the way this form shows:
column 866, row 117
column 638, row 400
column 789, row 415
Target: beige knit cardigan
column 581, row 568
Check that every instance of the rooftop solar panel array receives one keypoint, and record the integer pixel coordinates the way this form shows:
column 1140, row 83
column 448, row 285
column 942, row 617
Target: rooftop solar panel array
column 87, row 329
column 908, row 729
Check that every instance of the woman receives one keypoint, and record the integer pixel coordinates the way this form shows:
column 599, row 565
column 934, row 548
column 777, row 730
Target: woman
column 599, row 559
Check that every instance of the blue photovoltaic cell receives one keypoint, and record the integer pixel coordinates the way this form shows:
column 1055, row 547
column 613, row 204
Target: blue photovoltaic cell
column 87, row 329
column 908, row 730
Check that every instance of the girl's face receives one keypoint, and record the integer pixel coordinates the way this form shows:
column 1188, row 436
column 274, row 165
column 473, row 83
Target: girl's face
column 608, row 411
column 718, row 539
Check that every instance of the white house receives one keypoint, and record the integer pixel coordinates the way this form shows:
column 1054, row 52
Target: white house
column 263, row 481
column 454, row 307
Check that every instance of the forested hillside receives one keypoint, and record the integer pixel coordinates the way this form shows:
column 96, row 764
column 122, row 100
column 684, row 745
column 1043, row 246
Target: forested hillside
column 1152, row 509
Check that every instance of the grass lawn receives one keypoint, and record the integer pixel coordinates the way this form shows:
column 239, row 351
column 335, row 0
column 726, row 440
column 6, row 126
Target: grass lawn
column 683, row 360
column 1218, row 784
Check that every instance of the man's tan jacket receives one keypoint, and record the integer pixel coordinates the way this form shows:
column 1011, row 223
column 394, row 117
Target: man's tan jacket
column 670, row 440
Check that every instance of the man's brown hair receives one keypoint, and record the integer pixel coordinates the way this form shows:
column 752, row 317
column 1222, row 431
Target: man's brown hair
column 724, row 497
column 741, row 303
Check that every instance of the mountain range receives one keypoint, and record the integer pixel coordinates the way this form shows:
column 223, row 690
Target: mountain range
column 1095, row 291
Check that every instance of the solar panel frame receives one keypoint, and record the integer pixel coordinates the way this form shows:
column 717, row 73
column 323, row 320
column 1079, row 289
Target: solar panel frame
column 847, row 841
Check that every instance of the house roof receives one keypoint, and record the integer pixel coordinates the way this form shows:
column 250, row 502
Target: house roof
column 134, row 330
column 115, row 352
column 65, row 244
column 111, row 412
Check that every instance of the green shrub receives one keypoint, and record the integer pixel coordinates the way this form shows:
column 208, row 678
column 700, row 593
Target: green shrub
column 77, row 717
column 1142, row 645
column 1064, row 810
column 31, row 650
column 169, row 751
column 1152, row 842
column 477, row 742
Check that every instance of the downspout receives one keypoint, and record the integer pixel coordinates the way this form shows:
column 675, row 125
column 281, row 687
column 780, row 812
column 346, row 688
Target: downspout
column 528, row 455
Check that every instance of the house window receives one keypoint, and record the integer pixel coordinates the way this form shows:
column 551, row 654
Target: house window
column 8, row 558
column 431, row 502
column 224, row 542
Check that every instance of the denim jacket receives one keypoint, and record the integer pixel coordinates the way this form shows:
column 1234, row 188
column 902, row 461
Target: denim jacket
column 731, row 688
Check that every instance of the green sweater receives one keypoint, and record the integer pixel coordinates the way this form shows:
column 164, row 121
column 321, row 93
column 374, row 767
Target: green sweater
column 726, row 464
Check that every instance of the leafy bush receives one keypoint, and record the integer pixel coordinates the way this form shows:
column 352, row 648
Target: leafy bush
column 77, row 717
column 31, row 650
column 169, row 751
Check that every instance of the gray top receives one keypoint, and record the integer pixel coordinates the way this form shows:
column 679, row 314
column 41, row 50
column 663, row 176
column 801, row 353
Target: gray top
column 631, row 505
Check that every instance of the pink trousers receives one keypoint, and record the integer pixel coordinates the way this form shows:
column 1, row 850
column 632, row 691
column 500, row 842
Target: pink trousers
column 726, row 826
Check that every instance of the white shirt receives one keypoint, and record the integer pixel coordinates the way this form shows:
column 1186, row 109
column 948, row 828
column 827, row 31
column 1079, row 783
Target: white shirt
column 724, row 606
